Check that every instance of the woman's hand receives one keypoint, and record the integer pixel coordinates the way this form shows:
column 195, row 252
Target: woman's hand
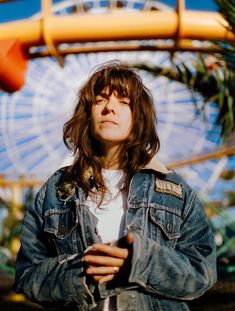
column 104, row 261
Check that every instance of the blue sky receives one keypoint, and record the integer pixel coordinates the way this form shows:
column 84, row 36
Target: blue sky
column 18, row 9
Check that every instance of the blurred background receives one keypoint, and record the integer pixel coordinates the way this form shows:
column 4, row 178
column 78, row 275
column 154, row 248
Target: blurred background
column 185, row 53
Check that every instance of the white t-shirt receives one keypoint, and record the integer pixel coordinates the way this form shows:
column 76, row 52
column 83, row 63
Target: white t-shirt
column 111, row 213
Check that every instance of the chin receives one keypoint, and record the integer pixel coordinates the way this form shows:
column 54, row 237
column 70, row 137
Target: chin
column 109, row 140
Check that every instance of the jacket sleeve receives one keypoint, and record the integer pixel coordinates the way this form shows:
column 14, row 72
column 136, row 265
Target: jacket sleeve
column 185, row 272
column 43, row 277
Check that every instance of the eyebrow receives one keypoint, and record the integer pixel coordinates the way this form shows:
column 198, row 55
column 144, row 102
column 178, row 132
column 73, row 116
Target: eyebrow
column 105, row 95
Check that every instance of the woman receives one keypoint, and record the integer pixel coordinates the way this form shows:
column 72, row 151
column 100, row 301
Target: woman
column 116, row 230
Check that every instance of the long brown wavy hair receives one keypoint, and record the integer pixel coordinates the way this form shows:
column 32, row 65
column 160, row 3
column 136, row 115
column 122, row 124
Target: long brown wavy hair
column 142, row 143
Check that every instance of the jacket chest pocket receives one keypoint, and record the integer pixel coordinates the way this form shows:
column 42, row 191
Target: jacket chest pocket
column 164, row 225
column 60, row 229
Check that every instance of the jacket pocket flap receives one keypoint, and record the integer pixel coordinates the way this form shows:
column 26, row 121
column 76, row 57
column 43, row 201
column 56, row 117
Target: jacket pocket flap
column 59, row 222
column 167, row 220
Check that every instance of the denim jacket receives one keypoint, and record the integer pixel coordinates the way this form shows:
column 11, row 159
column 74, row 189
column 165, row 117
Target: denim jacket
column 173, row 258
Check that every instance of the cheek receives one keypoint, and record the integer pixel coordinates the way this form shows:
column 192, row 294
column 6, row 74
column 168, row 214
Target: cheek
column 129, row 120
column 130, row 123
column 127, row 125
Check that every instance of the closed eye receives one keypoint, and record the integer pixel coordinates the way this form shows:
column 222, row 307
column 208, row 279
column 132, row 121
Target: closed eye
column 101, row 100
column 125, row 101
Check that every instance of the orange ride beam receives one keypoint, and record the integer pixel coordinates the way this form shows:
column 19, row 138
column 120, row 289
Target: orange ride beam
column 118, row 25
column 218, row 154
column 13, row 65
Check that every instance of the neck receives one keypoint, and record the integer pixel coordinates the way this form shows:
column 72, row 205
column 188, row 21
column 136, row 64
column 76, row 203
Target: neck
column 111, row 158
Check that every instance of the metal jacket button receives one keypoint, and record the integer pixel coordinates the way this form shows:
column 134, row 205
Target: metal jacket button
column 62, row 229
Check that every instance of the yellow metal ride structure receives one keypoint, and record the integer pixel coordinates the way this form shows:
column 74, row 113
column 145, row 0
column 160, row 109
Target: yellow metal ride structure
column 19, row 37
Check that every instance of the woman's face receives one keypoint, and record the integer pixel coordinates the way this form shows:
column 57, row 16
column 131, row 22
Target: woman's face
column 111, row 119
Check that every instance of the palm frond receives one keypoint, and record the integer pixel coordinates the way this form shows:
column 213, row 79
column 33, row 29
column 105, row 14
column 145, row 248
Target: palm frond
column 227, row 9
column 199, row 79
column 210, row 79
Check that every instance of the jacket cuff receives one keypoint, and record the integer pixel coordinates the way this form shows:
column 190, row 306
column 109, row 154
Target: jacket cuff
column 140, row 261
column 77, row 286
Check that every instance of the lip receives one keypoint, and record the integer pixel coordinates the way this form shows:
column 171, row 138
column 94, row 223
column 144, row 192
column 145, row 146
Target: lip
column 108, row 121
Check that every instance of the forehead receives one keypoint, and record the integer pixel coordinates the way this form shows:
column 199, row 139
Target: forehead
column 121, row 85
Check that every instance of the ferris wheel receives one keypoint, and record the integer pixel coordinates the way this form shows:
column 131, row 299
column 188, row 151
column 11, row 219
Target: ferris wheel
column 32, row 119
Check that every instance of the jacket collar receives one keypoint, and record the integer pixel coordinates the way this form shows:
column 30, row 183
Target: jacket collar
column 154, row 164
column 157, row 166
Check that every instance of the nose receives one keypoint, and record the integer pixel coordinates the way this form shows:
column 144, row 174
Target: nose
column 110, row 105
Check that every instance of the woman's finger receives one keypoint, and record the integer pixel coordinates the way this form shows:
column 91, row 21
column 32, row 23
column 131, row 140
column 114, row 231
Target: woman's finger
column 103, row 278
column 106, row 278
column 103, row 260
column 111, row 250
column 97, row 277
column 102, row 270
column 130, row 238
